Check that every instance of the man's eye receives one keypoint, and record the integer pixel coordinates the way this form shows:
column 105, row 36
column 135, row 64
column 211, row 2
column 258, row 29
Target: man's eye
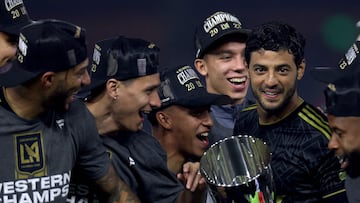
column 259, row 69
column 283, row 70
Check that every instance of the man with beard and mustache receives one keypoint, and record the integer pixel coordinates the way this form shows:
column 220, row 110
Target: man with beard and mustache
column 297, row 133
column 342, row 97
column 44, row 131
column 13, row 16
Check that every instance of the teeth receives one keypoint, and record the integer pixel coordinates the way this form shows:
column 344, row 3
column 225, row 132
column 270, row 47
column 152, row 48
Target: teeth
column 237, row 80
column 142, row 113
column 270, row 93
column 204, row 134
column 341, row 159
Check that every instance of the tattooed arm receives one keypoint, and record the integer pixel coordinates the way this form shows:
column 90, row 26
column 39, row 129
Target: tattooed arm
column 119, row 191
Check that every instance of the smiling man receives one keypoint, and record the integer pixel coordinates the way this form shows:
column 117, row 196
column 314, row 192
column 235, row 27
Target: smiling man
column 124, row 81
column 183, row 122
column 220, row 42
column 297, row 133
column 44, row 130
column 342, row 97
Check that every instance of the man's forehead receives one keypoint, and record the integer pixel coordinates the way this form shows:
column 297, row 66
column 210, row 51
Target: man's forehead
column 230, row 46
column 82, row 65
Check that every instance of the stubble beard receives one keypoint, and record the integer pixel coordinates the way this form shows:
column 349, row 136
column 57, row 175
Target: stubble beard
column 279, row 107
column 353, row 169
column 57, row 101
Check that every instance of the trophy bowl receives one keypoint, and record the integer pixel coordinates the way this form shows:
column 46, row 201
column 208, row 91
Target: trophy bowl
column 237, row 169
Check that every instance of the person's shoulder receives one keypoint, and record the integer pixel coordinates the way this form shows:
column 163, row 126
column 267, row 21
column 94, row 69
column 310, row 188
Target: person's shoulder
column 79, row 119
column 144, row 139
column 312, row 110
column 249, row 111
column 132, row 140
column 78, row 111
column 249, row 108
column 315, row 118
column 247, row 117
column 77, row 106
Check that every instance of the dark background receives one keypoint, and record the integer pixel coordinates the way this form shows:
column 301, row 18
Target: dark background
column 329, row 26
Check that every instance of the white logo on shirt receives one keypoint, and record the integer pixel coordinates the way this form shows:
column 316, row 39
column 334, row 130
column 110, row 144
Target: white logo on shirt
column 60, row 123
column 131, row 161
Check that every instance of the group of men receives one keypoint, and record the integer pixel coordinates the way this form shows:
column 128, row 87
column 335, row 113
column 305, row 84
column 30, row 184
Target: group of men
column 95, row 149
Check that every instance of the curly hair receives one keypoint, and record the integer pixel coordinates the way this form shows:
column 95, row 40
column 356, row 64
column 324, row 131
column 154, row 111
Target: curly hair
column 275, row 36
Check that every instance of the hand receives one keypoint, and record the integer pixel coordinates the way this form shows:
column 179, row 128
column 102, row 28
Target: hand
column 191, row 176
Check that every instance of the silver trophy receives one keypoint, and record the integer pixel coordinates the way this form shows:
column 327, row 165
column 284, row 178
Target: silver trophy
column 237, row 170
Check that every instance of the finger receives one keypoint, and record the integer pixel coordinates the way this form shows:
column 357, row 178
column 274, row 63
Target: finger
column 187, row 167
column 196, row 181
column 190, row 179
column 180, row 177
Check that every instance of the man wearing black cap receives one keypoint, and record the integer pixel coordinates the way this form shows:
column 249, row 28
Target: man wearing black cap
column 182, row 124
column 295, row 131
column 343, row 110
column 125, row 78
column 220, row 44
column 13, row 16
column 44, row 131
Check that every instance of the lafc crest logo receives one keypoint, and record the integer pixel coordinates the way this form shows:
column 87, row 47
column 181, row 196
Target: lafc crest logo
column 30, row 160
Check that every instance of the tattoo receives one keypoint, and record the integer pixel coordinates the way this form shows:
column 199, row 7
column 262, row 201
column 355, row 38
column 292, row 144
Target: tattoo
column 123, row 194
column 117, row 189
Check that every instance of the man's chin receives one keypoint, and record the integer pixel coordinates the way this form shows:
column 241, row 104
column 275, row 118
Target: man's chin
column 352, row 172
column 353, row 169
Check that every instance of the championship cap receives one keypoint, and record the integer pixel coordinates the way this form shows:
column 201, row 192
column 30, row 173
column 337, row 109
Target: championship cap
column 342, row 94
column 46, row 45
column 215, row 27
column 348, row 65
column 182, row 86
column 122, row 58
column 13, row 16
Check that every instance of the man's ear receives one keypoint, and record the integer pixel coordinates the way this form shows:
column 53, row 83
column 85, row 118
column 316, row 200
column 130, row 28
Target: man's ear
column 47, row 79
column 200, row 66
column 301, row 70
column 163, row 119
column 112, row 86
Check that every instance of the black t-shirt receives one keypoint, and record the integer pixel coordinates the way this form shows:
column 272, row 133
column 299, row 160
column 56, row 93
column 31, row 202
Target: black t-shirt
column 304, row 169
column 37, row 155
column 141, row 163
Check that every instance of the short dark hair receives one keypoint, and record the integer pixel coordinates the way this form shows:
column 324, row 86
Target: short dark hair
column 276, row 36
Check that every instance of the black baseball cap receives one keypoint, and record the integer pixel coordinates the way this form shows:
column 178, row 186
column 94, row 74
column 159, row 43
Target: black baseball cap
column 122, row 58
column 182, row 86
column 215, row 27
column 46, row 45
column 348, row 65
column 13, row 16
column 342, row 94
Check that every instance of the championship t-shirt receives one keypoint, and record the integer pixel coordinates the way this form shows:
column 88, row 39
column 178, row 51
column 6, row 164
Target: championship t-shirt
column 37, row 156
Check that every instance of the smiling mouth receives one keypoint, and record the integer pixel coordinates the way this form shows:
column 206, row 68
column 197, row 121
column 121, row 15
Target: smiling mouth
column 203, row 136
column 237, row 81
column 143, row 113
column 271, row 93
column 342, row 161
